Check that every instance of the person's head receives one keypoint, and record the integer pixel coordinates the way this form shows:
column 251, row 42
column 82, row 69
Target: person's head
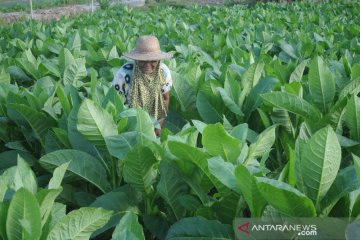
column 147, row 67
column 147, row 53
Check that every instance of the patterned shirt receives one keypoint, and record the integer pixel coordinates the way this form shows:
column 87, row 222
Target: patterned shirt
column 123, row 78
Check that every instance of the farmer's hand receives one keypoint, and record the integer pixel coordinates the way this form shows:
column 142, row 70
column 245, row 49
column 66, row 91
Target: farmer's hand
column 158, row 132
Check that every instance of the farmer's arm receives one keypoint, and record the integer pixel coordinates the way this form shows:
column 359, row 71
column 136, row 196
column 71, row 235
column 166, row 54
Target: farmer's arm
column 166, row 97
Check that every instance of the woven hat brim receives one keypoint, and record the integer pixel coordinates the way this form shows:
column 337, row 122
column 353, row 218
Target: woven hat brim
column 147, row 56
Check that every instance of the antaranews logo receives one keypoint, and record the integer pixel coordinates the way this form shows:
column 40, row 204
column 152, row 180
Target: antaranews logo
column 260, row 229
column 244, row 227
column 290, row 228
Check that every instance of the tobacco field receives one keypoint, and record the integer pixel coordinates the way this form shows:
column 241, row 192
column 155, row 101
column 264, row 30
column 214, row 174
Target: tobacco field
column 264, row 120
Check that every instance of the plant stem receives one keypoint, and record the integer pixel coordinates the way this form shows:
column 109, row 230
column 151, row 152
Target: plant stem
column 113, row 172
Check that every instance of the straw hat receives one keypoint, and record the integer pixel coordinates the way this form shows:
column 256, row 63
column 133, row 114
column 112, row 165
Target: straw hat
column 147, row 49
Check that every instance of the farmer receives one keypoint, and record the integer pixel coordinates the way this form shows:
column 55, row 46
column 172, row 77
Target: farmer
column 146, row 81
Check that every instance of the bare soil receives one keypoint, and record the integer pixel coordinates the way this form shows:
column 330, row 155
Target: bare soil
column 56, row 13
column 46, row 14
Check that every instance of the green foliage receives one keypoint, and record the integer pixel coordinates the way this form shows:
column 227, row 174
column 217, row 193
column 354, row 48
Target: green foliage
column 128, row 228
column 263, row 118
column 9, row 6
column 33, row 214
column 104, row 4
column 198, row 227
column 320, row 162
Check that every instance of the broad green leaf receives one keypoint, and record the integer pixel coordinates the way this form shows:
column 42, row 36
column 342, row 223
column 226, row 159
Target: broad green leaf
column 4, row 207
column 81, row 164
column 121, row 144
column 285, row 198
column 23, row 217
column 113, row 55
column 62, row 136
column 229, row 102
column 53, row 143
column 16, row 145
column 282, row 117
column 346, row 142
column 128, row 228
column 355, row 71
column 228, row 207
column 140, row 121
column 356, row 160
column 264, row 142
column 46, row 199
column 95, row 123
column 183, row 92
column 144, row 125
column 190, row 202
column 120, row 201
column 77, row 140
column 297, row 74
column 80, row 224
column 199, row 228
column 185, row 152
column 51, row 67
column 224, row 172
column 299, row 147
column 25, row 177
column 228, row 148
column 250, row 78
column 199, row 190
column 209, row 103
column 240, row 132
column 65, row 103
column 65, row 59
column 30, row 57
column 320, row 162
column 35, row 102
column 321, row 84
column 265, row 120
column 355, row 203
column 171, row 187
column 334, row 116
column 352, row 117
column 4, row 182
column 74, row 42
column 112, row 96
column 58, row 175
column 157, row 224
column 58, row 212
column 4, row 77
column 292, row 104
column 74, row 72
column 352, row 88
column 138, row 168
column 18, row 74
column 39, row 122
column 10, row 158
column 232, row 88
column 30, row 64
column 187, row 135
column 249, row 190
column 199, row 125
column 288, row 49
column 254, row 100
column 344, row 183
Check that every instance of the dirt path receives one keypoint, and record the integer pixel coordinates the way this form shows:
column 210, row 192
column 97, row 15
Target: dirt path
column 47, row 14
